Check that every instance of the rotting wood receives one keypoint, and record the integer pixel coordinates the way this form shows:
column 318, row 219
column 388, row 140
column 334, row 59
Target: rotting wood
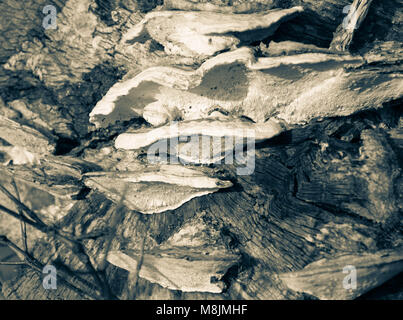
column 324, row 187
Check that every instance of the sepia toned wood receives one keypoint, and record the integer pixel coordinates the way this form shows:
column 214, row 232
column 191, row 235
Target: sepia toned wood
column 293, row 228
column 326, row 175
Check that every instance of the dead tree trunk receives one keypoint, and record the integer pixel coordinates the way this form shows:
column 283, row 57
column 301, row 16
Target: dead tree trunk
column 80, row 106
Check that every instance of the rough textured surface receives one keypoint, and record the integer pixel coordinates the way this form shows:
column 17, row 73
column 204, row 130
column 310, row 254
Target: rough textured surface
column 326, row 183
column 192, row 33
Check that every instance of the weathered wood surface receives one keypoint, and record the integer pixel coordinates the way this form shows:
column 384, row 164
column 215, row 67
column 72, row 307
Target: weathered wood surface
column 328, row 185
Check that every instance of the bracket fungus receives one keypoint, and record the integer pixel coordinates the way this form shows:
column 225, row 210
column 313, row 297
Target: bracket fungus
column 201, row 33
column 178, row 269
column 155, row 188
column 302, row 87
column 23, row 136
column 312, row 94
column 194, row 259
column 324, row 278
column 208, row 127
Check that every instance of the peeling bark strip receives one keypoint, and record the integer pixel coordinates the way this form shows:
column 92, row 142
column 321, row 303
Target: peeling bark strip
column 329, row 279
column 344, row 34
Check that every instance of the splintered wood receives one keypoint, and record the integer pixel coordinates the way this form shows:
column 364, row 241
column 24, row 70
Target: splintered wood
column 344, row 34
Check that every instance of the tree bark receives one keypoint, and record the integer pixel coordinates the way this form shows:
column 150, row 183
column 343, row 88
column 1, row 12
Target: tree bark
column 326, row 186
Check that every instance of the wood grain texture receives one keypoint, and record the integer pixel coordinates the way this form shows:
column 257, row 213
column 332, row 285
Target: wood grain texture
column 326, row 184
